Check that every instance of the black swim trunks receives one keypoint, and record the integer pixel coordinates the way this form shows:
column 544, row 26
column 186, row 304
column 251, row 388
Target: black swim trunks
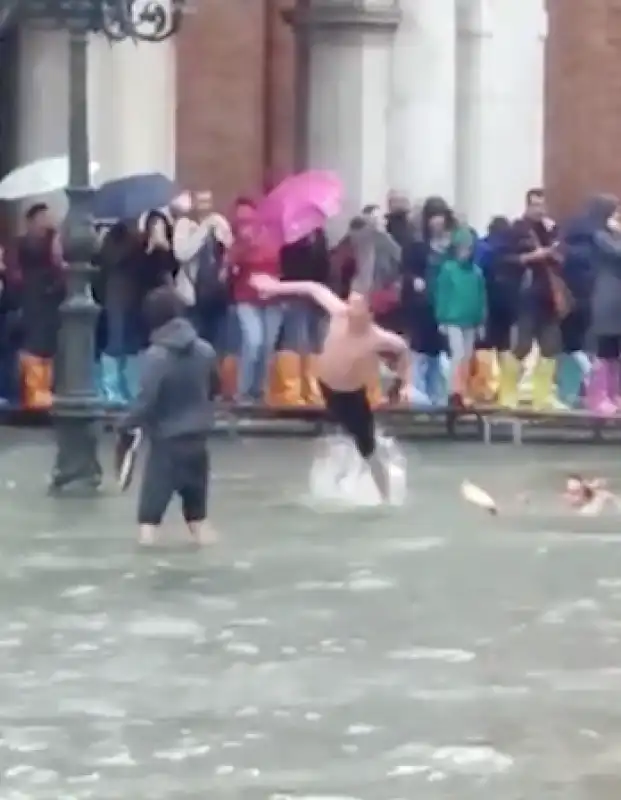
column 352, row 411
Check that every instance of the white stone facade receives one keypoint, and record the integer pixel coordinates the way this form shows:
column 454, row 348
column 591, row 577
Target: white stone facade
column 132, row 104
column 446, row 101
column 436, row 97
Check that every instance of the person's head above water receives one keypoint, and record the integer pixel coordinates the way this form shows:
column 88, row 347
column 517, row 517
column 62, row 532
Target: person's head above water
column 358, row 311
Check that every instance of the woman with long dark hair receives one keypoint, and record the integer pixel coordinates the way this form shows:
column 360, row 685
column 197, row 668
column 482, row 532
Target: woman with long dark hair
column 421, row 261
column 119, row 334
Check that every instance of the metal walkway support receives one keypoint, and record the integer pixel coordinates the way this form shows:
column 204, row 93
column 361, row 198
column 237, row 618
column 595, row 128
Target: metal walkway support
column 492, row 422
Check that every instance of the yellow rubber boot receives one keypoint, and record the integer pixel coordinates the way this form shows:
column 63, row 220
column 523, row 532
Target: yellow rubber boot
column 285, row 380
column 311, row 393
column 509, row 376
column 544, row 389
column 375, row 394
column 228, row 377
column 483, row 379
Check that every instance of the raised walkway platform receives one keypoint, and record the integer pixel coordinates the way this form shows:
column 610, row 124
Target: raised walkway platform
column 485, row 424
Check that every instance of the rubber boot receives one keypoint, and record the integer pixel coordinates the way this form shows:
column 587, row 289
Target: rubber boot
column 36, row 375
column 544, row 390
column 311, row 393
column 614, row 382
column 228, row 377
column 438, row 380
column 420, row 394
column 508, row 380
column 570, row 376
column 375, row 395
column 110, row 381
column 130, row 377
column 483, row 378
column 598, row 400
column 457, row 390
column 525, row 382
column 285, row 380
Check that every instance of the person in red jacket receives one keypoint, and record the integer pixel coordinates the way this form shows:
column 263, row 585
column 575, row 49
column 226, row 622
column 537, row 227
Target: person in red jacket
column 260, row 321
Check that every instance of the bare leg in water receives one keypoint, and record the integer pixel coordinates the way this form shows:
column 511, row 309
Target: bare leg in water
column 379, row 473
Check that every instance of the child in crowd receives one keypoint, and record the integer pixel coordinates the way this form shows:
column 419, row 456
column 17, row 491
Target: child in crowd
column 460, row 301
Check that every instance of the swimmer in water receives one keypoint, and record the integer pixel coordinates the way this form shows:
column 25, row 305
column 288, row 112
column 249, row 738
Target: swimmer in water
column 350, row 358
column 588, row 496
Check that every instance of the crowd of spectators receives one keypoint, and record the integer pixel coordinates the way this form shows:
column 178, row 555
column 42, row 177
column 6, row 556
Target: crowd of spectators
column 478, row 308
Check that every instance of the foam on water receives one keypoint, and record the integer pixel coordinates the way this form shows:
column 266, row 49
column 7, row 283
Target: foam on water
column 339, row 476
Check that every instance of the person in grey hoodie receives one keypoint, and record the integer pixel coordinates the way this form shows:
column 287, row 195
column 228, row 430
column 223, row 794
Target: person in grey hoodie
column 174, row 411
column 603, row 219
column 378, row 265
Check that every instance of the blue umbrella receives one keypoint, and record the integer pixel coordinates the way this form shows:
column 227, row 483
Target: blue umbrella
column 130, row 197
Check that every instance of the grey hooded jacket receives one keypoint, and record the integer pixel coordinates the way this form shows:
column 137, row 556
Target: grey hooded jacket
column 378, row 259
column 177, row 386
column 606, row 266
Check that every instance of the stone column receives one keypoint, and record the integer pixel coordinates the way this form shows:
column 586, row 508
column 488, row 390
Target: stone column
column 132, row 103
column 349, row 44
column 500, row 105
column 42, row 100
column 422, row 102
column 142, row 84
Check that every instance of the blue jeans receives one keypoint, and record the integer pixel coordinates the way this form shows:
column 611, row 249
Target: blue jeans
column 303, row 327
column 259, row 328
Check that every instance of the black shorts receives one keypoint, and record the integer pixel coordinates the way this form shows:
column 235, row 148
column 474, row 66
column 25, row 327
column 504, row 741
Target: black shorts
column 175, row 466
column 351, row 410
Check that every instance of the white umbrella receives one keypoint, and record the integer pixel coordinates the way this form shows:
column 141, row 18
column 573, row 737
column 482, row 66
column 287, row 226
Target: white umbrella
column 39, row 177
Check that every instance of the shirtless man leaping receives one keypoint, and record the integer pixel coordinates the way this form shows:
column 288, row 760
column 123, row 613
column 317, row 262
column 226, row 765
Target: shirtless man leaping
column 349, row 360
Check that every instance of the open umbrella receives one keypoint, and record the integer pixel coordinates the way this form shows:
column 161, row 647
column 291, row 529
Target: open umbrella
column 129, row 198
column 39, row 177
column 300, row 204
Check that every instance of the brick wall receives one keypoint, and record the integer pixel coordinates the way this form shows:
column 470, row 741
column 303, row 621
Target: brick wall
column 583, row 100
column 235, row 97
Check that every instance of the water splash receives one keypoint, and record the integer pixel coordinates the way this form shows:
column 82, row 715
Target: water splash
column 339, row 476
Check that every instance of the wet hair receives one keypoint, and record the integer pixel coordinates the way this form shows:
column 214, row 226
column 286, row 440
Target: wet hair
column 35, row 210
column 357, row 224
column 436, row 207
column 588, row 491
column 536, row 193
column 161, row 306
column 498, row 226
column 158, row 216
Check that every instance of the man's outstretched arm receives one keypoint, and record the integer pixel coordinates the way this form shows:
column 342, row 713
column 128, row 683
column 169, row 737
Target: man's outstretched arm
column 395, row 345
column 270, row 287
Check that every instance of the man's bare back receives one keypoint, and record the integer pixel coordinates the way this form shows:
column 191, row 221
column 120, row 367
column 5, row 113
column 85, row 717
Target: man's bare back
column 353, row 345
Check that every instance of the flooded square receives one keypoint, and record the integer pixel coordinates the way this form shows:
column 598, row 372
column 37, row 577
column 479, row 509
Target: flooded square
column 428, row 651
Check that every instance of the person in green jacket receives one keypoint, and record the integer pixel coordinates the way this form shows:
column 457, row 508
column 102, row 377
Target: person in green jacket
column 460, row 302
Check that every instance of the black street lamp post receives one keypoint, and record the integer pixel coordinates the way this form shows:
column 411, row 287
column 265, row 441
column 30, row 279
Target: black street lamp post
column 76, row 408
